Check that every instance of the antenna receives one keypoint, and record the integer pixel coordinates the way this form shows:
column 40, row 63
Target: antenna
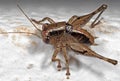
column 20, row 33
column 24, row 32
column 28, row 17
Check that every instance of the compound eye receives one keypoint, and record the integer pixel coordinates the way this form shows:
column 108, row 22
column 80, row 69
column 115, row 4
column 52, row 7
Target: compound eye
column 68, row 28
column 45, row 26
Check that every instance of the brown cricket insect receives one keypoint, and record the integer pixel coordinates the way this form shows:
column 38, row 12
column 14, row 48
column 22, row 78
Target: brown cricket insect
column 68, row 35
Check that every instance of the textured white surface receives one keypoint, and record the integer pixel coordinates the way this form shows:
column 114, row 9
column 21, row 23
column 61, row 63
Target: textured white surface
column 27, row 58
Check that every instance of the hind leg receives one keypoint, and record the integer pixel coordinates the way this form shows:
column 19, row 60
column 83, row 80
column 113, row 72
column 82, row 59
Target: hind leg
column 88, row 52
column 72, row 19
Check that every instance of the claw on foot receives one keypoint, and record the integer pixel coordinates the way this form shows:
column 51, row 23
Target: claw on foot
column 67, row 74
column 67, row 77
column 59, row 67
column 114, row 62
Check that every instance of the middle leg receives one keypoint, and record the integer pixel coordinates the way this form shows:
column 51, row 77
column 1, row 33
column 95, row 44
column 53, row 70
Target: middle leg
column 54, row 59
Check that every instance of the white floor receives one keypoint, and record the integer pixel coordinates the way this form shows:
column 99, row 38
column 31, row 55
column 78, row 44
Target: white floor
column 28, row 58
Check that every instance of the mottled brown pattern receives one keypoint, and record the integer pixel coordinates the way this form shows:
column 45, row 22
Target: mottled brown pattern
column 75, row 38
column 71, row 36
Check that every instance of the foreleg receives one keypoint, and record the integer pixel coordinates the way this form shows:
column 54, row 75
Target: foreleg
column 44, row 19
column 67, row 61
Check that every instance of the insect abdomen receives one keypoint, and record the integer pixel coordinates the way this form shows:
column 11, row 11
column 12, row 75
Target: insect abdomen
column 80, row 37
